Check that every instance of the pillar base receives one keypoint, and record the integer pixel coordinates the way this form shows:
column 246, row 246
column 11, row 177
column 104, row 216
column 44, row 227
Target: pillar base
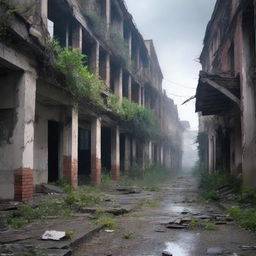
column 96, row 170
column 70, row 170
column 115, row 173
column 23, row 184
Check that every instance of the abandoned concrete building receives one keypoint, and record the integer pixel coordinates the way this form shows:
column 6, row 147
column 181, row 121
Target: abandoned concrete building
column 225, row 97
column 45, row 134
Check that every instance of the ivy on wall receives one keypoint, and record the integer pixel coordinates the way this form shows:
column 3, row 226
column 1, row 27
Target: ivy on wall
column 85, row 85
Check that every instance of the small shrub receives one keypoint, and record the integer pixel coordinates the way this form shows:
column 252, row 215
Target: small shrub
column 128, row 235
column 202, row 224
column 69, row 234
column 108, row 221
column 78, row 78
column 246, row 218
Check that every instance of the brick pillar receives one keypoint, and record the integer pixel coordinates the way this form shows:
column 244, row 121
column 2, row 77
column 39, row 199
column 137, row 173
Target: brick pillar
column 23, row 138
column 118, row 86
column 127, row 152
column 115, row 153
column 94, row 58
column 70, row 146
column 96, row 151
column 129, row 88
column 77, row 36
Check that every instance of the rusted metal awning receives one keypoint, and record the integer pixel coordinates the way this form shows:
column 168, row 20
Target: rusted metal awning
column 216, row 94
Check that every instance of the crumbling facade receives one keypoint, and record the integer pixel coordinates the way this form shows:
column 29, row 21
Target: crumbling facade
column 45, row 134
column 226, row 91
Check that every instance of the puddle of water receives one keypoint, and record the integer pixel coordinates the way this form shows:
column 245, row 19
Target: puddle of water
column 183, row 247
column 179, row 209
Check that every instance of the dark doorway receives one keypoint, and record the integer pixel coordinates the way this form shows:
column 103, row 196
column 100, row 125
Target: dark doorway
column 53, row 151
column 84, row 152
column 106, row 148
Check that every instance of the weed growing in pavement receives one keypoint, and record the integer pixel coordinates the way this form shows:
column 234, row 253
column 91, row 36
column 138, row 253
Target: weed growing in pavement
column 245, row 217
column 65, row 206
column 107, row 220
column 149, row 203
column 202, row 224
column 128, row 235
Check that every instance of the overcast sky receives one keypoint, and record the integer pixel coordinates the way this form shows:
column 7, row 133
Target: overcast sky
column 177, row 28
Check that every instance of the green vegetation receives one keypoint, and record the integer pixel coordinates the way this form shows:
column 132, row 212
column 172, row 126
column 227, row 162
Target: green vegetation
column 128, row 235
column 85, row 85
column 245, row 217
column 107, row 220
column 137, row 118
column 205, row 224
column 211, row 184
column 149, row 203
column 66, row 205
column 26, row 213
column 79, row 80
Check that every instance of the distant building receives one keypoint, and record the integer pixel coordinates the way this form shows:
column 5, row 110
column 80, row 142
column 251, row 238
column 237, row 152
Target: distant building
column 190, row 152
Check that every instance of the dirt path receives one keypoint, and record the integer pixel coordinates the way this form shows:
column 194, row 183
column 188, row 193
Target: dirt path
column 148, row 237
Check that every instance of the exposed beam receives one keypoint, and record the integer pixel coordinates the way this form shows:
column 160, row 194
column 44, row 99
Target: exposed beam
column 222, row 90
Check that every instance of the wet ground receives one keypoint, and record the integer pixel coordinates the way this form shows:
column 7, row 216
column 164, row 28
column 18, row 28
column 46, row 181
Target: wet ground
column 147, row 236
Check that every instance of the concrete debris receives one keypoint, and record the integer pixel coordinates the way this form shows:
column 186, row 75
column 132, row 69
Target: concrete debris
column 109, row 230
column 215, row 251
column 246, row 247
column 165, row 253
column 53, row 235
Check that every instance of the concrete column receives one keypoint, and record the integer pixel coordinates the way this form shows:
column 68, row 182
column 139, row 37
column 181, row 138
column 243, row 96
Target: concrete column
column 23, row 138
column 127, row 157
column 94, row 59
column 115, row 153
column 142, row 96
column 70, row 145
column 44, row 12
column 130, row 45
column 129, row 88
column 161, row 155
column 77, row 37
column 150, row 153
column 118, row 86
column 134, row 160
column 96, row 150
column 108, row 13
column 138, row 58
column 107, row 70
column 67, row 35
column 139, row 95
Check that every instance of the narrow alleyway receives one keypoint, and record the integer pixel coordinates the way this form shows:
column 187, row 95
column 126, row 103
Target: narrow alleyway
column 146, row 234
